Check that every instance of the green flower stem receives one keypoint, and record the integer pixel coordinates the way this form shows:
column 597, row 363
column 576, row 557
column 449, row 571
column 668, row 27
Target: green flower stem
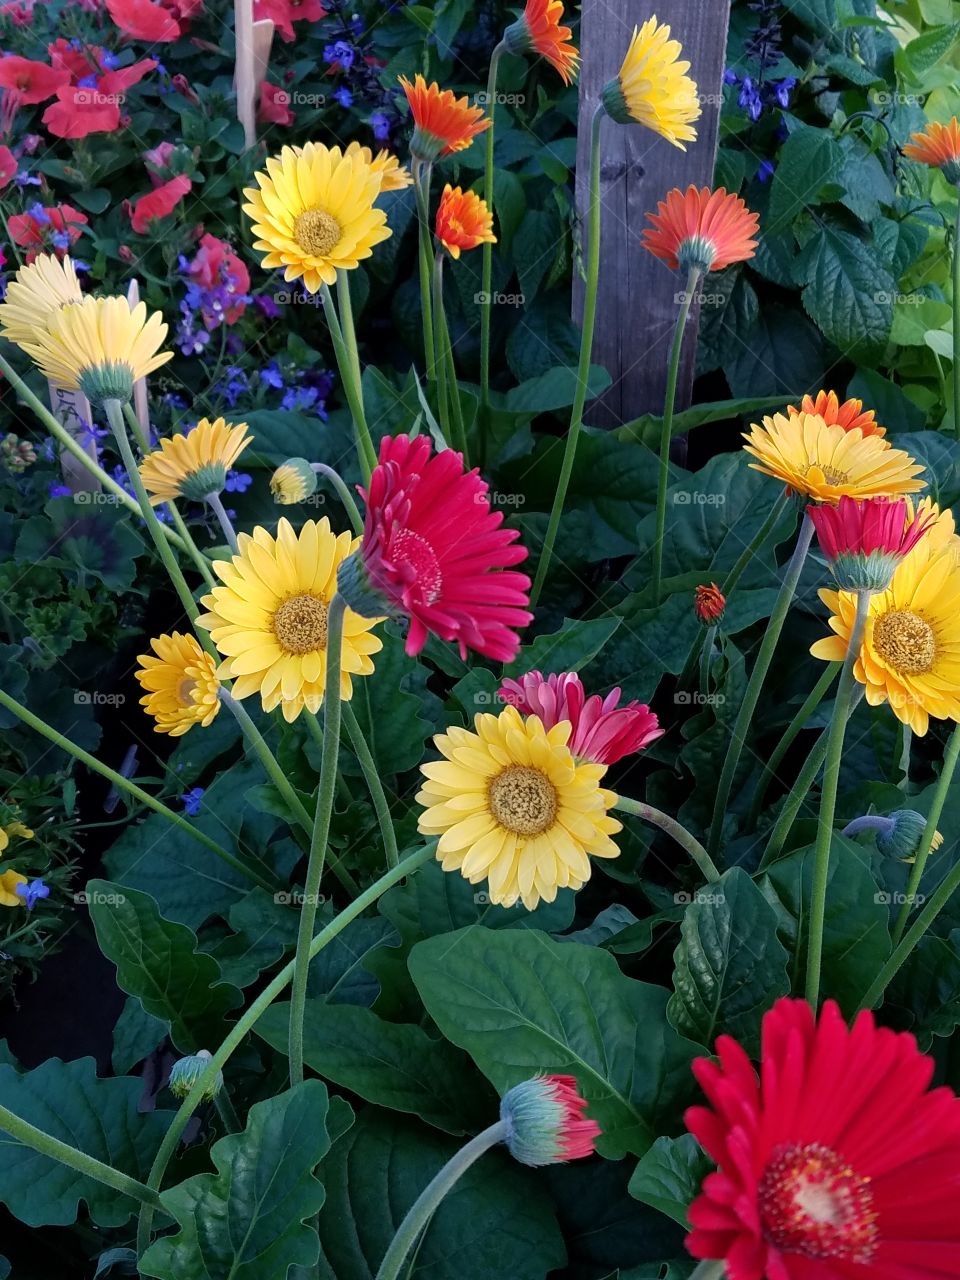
column 429, row 1200
column 828, row 799
column 675, row 829
column 215, row 503
column 666, row 428
column 752, row 696
column 705, row 654
column 374, row 785
column 63, row 437
column 131, row 789
column 249, row 1019
column 266, row 757
column 352, row 387
column 956, row 322
column 345, row 303
column 343, row 493
column 709, row 1270
column 586, row 351
column 445, row 353
column 421, row 191
column 321, row 831
column 88, row 1166
column 926, row 840
column 796, row 726
column 136, row 427
column 486, row 277
column 335, row 864
column 443, row 406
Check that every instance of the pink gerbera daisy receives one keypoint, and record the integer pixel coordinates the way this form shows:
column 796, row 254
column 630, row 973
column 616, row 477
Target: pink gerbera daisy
column 544, row 1121
column 434, row 551
column 601, row 730
column 865, row 540
column 840, row 1163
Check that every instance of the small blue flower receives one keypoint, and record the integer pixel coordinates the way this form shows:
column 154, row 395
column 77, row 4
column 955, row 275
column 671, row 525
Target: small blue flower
column 39, row 214
column 109, row 60
column 783, row 89
column 749, row 99
column 60, row 491
column 344, row 97
column 61, row 239
column 27, row 180
column 340, row 52
column 272, row 376
column 237, row 482
column 380, row 126
column 32, row 893
column 765, row 170
column 730, row 76
column 191, row 801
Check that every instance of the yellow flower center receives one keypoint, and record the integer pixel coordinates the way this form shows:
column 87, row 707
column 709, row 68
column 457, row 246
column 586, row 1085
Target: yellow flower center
column 906, row 641
column 316, row 231
column 300, row 624
column 523, row 800
column 185, row 691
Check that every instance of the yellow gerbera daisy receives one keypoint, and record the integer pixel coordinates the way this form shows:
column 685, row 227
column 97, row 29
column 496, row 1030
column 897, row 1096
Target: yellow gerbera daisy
column 653, row 87
column 36, row 293
column 314, row 214
column 511, row 804
column 181, row 684
column 910, row 655
column 13, row 829
column 393, row 175
column 195, row 464
column 824, row 462
column 8, row 889
column 100, row 346
column 269, row 620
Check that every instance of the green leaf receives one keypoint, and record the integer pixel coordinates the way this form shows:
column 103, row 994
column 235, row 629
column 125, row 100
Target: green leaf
column 646, row 430
column 91, row 539
column 158, row 962
column 248, row 1220
column 553, row 390
column 100, row 1117
column 395, row 708
column 729, row 966
column 338, row 974
column 569, row 649
column 809, row 161
column 924, row 997
column 135, row 1036
column 782, row 352
column 395, row 1065
column 849, row 291
column 496, row 1220
column 670, row 1175
column 522, row 1003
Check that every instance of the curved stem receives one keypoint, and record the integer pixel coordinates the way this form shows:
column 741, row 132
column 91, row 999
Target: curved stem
column 248, row 1020
column 795, row 727
column 352, row 389
column 321, row 830
column 868, row 822
column 666, row 428
column 215, row 503
column 343, row 493
column 428, row 1201
column 675, row 829
column 925, row 846
column 486, row 277
column 421, row 191
column 374, row 785
column 131, row 788
column 89, row 1166
column 752, row 696
column 828, row 800
column 956, row 322
column 586, row 351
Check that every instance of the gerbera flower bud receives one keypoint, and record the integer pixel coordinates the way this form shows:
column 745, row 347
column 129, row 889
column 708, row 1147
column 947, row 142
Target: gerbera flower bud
column 653, row 88
column 706, row 230
column 709, row 603
column 463, row 221
column 899, row 835
column 443, row 123
column 864, row 541
column 600, row 731
column 293, row 481
column 186, row 1072
column 538, row 30
column 545, row 1122
column 938, row 145
column 195, row 464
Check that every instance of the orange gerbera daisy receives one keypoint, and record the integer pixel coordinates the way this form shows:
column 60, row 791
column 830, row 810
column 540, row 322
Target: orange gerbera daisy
column 850, row 414
column 538, row 30
column 938, row 146
column 443, row 123
column 463, row 221
column 704, row 229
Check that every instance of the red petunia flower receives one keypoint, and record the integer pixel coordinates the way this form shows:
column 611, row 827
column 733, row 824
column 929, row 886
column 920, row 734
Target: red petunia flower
column 848, row 414
column 864, row 540
column 84, row 109
column 215, row 265
column 544, row 1121
column 709, row 602
column 274, row 105
column 283, row 14
column 705, row 229
column 601, row 730
column 32, row 82
column 158, row 203
column 838, row 1164
column 36, row 233
column 144, row 20
column 8, row 166
column 434, row 551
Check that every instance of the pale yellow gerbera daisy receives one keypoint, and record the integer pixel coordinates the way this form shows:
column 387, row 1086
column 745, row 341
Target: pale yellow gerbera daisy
column 393, row 175
column 269, row 619
column 181, row 684
column 824, row 462
column 37, row 292
column 100, row 346
column 653, row 87
column 510, row 804
column 313, row 212
column 193, row 465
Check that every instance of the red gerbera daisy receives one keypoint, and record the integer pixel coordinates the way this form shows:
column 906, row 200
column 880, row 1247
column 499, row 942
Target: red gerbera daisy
column 848, row 415
column 864, row 540
column 538, row 30
column 435, row 551
column 838, row 1164
column 158, row 203
column 705, row 229
column 443, row 122
column 144, row 20
column 601, row 730
column 32, row 82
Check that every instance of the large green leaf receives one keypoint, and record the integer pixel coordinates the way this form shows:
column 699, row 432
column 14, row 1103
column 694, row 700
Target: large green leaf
column 520, row 1003
column 924, row 997
column 90, row 539
column 496, row 1221
column 396, row 710
column 730, row 965
column 849, row 290
column 248, row 1220
column 808, row 162
column 568, row 649
column 158, row 962
column 99, row 1117
column 395, row 1065
column 669, row 1176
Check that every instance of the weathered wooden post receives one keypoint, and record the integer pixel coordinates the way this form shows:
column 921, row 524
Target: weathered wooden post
column 637, row 307
column 253, row 41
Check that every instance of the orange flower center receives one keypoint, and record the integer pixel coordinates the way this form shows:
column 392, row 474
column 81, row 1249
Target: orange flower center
column 813, row 1203
column 523, row 800
column 316, row 231
column 300, row 624
column 906, row 641
column 185, row 691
